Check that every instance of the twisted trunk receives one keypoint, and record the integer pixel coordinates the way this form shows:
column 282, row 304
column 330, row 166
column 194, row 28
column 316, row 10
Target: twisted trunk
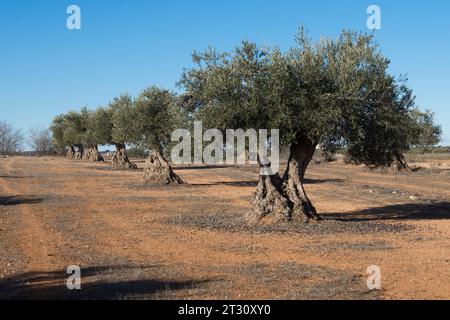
column 271, row 203
column 120, row 158
column 301, row 155
column 400, row 163
column 158, row 171
column 90, row 153
column 278, row 199
column 79, row 153
column 71, row 153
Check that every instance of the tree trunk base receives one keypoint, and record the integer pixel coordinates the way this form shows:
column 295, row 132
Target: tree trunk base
column 285, row 199
column 91, row 154
column 78, row 155
column 275, row 202
column 302, row 208
column 70, row 154
column 270, row 204
column 400, row 164
column 158, row 171
column 120, row 162
column 120, row 159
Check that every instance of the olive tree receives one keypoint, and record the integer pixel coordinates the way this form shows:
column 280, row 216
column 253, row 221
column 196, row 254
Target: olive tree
column 94, row 133
column 428, row 133
column 60, row 139
column 157, row 116
column 123, row 129
column 334, row 93
column 68, row 130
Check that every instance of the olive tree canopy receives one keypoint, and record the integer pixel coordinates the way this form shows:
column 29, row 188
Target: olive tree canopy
column 334, row 93
column 157, row 116
column 123, row 129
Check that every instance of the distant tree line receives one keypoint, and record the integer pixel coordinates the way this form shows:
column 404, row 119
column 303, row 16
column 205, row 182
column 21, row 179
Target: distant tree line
column 11, row 139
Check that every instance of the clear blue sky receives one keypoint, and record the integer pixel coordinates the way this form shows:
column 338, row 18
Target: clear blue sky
column 124, row 46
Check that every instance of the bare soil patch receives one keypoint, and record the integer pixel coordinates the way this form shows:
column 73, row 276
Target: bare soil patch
column 191, row 241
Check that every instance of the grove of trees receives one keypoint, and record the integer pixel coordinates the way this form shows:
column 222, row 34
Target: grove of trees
column 336, row 93
column 146, row 121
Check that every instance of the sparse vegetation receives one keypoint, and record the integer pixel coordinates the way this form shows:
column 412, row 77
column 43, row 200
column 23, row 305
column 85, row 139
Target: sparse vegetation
column 11, row 139
column 41, row 141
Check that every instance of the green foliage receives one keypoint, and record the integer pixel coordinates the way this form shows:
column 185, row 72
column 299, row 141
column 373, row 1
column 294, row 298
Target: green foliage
column 70, row 129
column 87, row 134
column 157, row 115
column 123, row 117
column 137, row 152
column 337, row 93
column 57, row 128
column 100, row 126
column 231, row 91
column 93, row 127
column 147, row 122
column 75, row 128
column 428, row 134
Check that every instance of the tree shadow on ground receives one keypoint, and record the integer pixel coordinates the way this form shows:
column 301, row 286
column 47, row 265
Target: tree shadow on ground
column 254, row 183
column 407, row 211
column 16, row 200
column 111, row 168
column 203, row 167
column 109, row 283
column 321, row 181
column 14, row 177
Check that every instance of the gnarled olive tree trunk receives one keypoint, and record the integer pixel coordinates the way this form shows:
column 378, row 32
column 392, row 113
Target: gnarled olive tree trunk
column 71, row 153
column 300, row 157
column 79, row 153
column 90, row 153
column 271, row 202
column 400, row 163
column 158, row 171
column 120, row 158
column 285, row 198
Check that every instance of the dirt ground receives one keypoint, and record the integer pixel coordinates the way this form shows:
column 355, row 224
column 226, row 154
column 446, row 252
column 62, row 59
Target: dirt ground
column 191, row 242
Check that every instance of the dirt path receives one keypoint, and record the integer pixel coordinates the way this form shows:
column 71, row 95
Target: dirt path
column 190, row 241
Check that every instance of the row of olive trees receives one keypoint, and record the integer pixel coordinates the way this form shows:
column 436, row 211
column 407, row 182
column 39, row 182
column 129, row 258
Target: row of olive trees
column 146, row 121
column 336, row 93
